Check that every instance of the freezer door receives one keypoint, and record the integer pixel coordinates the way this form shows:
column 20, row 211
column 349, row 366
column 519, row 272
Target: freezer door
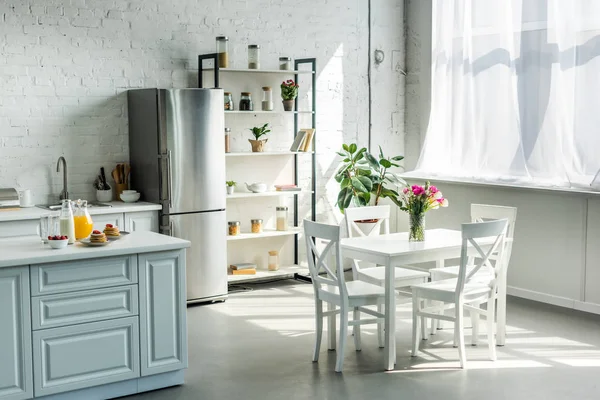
column 191, row 123
column 207, row 258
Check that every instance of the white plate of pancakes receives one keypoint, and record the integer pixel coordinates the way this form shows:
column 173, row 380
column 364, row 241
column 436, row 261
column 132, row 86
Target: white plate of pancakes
column 88, row 242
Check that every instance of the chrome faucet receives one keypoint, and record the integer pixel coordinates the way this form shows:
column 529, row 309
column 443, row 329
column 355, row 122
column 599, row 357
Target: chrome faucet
column 64, row 194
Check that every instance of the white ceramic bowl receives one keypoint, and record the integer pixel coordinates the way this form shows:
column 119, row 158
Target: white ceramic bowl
column 129, row 191
column 130, row 197
column 58, row 244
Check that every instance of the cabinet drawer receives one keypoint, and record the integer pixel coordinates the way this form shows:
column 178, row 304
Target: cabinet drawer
column 81, row 275
column 88, row 306
column 75, row 357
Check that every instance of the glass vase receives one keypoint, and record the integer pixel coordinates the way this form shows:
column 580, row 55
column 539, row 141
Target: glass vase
column 416, row 227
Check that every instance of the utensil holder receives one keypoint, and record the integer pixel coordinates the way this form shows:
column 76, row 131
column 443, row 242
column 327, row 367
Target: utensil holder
column 104, row 195
column 119, row 187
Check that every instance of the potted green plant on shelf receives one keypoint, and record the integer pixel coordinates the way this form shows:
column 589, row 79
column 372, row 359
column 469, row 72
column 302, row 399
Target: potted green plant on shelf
column 230, row 186
column 365, row 179
column 258, row 145
column 289, row 92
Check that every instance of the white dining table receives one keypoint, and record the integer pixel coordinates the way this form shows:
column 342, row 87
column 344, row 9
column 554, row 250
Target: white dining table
column 395, row 250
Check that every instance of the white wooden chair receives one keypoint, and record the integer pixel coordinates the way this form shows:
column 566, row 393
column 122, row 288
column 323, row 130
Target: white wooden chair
column 465, row 291
column 332, row 288
column 482, row 213
column 369, row 272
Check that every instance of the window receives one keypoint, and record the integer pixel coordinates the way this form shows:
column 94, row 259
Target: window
column 515, row 92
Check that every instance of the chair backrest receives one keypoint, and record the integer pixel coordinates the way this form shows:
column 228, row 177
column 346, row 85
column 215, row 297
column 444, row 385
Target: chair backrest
column 487, row 212
column 379, row 213
column 473, row 234
column 317, row 260
column 483, row 212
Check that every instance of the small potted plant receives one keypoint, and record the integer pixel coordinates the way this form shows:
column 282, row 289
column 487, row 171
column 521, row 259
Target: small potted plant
column 258, row 145
column 230, row 186
column 289, row 91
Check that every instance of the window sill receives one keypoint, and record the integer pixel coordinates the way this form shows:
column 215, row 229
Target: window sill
column 412, row 175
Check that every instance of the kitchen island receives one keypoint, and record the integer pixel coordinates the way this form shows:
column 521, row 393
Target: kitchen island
column 92, row 322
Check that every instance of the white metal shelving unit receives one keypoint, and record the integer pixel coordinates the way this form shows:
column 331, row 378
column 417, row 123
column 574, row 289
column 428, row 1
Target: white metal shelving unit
column 289, row 271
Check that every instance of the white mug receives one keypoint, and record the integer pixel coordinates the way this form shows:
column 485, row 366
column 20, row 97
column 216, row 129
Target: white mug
column 25, row 198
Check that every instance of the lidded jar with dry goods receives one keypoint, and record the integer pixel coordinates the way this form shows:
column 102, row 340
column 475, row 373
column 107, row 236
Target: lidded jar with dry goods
column 281, row 216
column 234, row 228
column 253, row 56
column 257, row 225
column 222, row 51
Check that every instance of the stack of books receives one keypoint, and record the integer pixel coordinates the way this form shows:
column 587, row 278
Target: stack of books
column 287, row 188
column 243, row 269
column 303, row 140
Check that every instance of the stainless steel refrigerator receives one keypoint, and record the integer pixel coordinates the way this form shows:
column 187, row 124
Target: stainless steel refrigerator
column 177, row 156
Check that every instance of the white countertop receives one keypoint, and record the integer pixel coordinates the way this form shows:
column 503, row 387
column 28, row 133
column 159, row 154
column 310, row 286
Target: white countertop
column 26, row 250
column 116, row 207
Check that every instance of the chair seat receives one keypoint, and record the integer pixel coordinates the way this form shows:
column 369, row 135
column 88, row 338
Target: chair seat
column 484, row 274
column 403, row 276
column 357, row 289
column 445, row 290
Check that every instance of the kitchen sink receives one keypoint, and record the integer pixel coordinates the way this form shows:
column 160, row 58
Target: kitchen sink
column 57, row 206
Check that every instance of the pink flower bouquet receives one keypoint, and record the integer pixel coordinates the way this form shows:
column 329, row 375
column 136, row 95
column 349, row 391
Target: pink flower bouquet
column 416, row 201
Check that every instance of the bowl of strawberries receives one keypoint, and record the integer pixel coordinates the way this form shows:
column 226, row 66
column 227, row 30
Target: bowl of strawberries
column 58, row 241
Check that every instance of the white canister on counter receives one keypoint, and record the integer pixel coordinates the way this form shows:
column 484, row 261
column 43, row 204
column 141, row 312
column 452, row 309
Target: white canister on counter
column 25, row 199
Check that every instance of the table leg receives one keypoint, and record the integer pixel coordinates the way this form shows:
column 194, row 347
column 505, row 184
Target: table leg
column 501, row 310
column 437, row 323
column 390, row 317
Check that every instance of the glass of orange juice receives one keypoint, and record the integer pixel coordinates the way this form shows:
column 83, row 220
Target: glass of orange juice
column 83, row 221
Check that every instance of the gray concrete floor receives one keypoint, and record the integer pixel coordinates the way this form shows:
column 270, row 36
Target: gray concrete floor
column 258, row 345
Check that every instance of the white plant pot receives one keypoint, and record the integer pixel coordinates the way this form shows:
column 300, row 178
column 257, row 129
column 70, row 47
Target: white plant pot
column 104, row 195
column 230, row 189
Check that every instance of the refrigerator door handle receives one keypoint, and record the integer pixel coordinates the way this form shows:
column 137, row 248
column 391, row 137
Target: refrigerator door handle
column 170, row 178
column 171, row 230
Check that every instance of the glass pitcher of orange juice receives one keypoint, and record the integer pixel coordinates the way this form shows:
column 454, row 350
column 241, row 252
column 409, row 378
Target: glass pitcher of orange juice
column 83, row 221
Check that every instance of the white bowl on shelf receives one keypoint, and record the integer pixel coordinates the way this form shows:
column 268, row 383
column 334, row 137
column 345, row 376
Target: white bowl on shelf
column 130, row 197
column 129, row 191
column 58, row 244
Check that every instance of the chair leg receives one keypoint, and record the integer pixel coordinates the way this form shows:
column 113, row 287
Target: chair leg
column 342, row 342
column 380, row 327
column 424, row 323
column 459, row 329
column 356, row 329
column 491, row 328
column 474, row 326
column 415, row 325
column 319, row 328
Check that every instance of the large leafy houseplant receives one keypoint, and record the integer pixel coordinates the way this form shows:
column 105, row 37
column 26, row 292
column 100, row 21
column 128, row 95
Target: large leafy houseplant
column 364, row 178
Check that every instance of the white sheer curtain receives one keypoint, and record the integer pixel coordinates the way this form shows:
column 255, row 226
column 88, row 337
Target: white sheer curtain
column 515, row 92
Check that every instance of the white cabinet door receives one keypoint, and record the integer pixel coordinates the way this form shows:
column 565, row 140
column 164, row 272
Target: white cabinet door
column 16, row 377
column 146, row 221
column 80, row 356
column 100, row 221
column 163, row 325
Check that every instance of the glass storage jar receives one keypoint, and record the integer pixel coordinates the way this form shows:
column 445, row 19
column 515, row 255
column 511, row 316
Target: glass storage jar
column 222, row 51
column 257, row 225
column 285, row 63
column 281, row 216
column 246, row 102
column 227, row 134
column 228, row 101
column 253, row 56
column 234, row 228
column 273, row 260
column 267, row 99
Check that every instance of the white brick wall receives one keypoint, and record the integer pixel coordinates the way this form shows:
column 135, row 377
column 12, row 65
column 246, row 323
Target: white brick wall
column 65, row 66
